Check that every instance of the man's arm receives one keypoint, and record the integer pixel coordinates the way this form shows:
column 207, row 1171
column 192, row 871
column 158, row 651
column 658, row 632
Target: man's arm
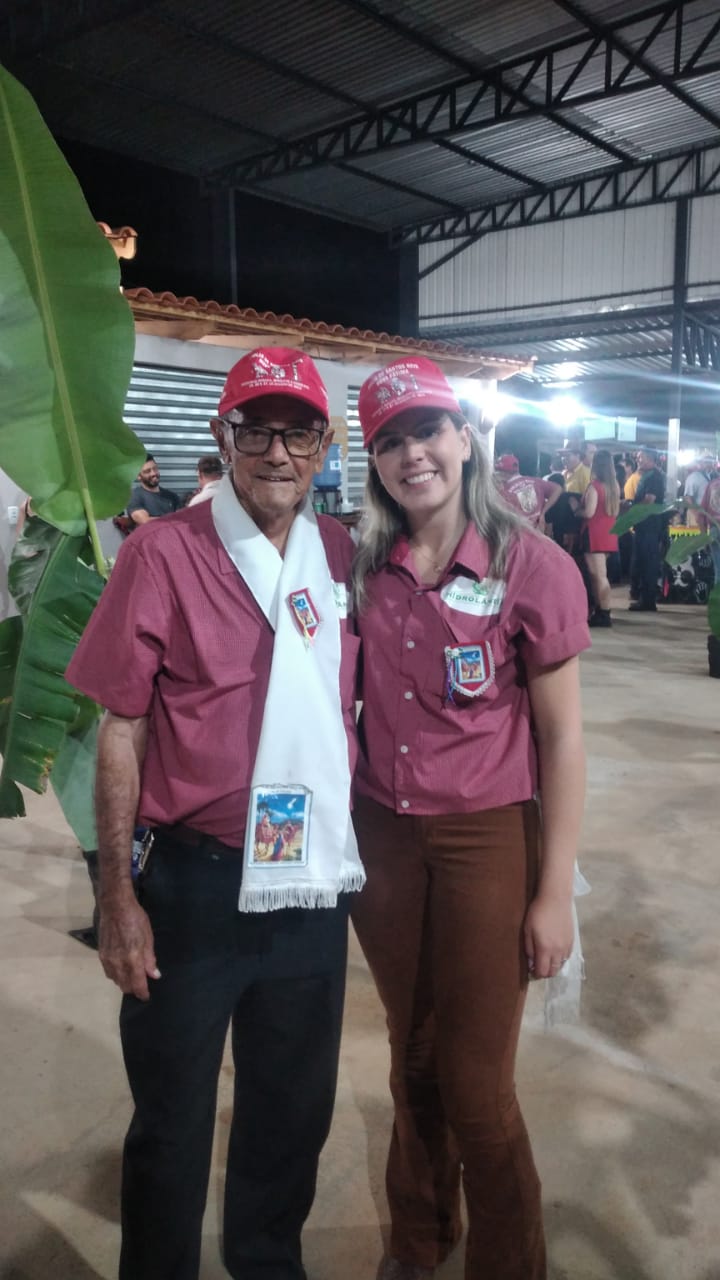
column 555, row 702
column 552, row 493
column 127, row 950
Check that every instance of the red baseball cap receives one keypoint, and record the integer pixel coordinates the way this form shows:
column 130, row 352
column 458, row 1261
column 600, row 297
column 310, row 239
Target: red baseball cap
column 507, row 462
column 274, row 371
column 412, row 383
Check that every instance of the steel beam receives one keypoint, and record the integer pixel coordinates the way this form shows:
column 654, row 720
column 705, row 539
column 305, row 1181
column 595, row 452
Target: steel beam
column 694, row 173
column 546, row 83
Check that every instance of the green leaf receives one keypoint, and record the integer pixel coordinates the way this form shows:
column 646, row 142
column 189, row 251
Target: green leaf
column 638, row 512
column 682, row 547
column 66, row 337
column 56, row 591
column 73, row 780
column 714, row 610
column 12, row 804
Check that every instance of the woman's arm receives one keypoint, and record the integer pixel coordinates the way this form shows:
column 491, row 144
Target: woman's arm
column 589, row 503
column 555, row 703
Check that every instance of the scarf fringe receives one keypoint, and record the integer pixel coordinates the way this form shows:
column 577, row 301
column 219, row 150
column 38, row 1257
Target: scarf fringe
column 269, row 897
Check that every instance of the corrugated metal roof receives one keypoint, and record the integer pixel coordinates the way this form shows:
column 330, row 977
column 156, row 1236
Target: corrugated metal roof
column 199, row 88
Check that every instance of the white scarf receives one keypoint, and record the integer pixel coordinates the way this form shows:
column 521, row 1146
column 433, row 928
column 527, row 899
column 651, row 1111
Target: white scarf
column 300, row 847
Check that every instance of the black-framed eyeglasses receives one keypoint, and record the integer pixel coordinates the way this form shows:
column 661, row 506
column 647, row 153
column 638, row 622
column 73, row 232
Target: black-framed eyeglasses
column 254, row 438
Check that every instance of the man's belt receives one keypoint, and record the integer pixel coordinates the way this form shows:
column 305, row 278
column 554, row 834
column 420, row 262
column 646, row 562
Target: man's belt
column 178, row 833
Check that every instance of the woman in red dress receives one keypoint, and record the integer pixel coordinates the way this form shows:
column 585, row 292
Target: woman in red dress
column 599, row 509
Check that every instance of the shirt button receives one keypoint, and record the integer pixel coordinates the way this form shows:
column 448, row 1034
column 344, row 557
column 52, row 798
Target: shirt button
column 404, row 804
column 404, row 750
column 411, row 644
column 408, row 695
column 419, row 593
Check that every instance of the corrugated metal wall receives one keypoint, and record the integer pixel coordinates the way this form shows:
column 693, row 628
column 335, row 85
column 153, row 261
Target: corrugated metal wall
column 704, row 263
column 625, row 257
column 357, row 458
column 170, row 410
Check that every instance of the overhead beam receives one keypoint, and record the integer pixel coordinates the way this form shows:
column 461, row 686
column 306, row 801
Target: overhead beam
column 701, row 344
column 692, row 173
column 637, row 58
column 547, row 83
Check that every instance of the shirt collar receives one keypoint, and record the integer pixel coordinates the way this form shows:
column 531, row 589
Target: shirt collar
column 471, row 556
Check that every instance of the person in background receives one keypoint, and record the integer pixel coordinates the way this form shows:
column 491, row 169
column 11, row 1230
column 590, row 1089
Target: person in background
column 530, row 496
column 561, row 522
column 587, row 453
column 696, row 482
column 647, row 556
column 148, row 500
column 471, row 625
column 211, row 678
column 209, row 472
column 632, row 480
column 599, row 511
column 577, row 479
column 620, row 472
column 711, row 507
column 577, row 473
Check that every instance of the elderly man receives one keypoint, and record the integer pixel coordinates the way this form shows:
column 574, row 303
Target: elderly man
column 223, row 652
column 148, row 499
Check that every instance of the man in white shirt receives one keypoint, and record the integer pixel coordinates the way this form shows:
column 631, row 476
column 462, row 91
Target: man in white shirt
column 695, row 485
column 209, row 470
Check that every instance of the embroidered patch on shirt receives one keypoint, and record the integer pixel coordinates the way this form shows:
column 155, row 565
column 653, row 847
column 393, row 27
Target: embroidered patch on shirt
column 467, row 595
column 340, row 596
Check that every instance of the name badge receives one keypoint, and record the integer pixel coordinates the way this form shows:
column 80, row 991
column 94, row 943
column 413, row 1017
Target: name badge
column 340, row 596
column 467, row 595
column 307, row 618
column 470, row 670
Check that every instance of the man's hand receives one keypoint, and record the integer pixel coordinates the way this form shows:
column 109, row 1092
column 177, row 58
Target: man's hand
column 127, row 948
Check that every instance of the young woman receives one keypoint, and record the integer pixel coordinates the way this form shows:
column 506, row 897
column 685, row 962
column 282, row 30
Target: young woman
column 471, row 624
column 600, row 507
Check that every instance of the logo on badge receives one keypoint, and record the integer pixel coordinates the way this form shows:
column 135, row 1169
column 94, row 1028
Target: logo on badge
column 470, row 670
column 307, row 618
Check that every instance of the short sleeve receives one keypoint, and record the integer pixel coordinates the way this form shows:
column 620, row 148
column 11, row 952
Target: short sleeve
column 551, row 608
column 123, row 646
column 135, row 502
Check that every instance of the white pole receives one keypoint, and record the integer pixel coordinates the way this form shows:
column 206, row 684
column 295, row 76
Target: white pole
column 673, row 445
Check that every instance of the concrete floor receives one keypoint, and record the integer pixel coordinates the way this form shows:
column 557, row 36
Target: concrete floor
column 624, row 1109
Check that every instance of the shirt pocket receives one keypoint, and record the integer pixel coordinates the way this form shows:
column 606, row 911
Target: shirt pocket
column 466, row 631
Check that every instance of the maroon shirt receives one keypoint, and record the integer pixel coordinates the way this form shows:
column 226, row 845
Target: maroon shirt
column 527, row 495
column 429, row 755
column 178, row 636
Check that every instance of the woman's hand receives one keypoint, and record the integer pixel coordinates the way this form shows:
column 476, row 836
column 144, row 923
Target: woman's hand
column 549, row 935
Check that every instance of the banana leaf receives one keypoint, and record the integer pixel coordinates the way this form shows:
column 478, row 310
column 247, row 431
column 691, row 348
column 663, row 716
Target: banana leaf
column 56, row 590
column 11, row 631
column 639, row 512
column 73, row 781
column 682, row 547
column 66, row 335
column 714, row 609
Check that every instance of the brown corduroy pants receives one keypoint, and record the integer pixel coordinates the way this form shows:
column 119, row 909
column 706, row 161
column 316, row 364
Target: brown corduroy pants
column 440, row 922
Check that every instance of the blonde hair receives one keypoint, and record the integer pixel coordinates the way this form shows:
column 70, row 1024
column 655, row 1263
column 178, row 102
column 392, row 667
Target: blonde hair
column 384, row 518
column 603, row 469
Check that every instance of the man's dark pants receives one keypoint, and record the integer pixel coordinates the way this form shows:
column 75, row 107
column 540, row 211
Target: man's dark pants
column 278, row 979
column 646, row 561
